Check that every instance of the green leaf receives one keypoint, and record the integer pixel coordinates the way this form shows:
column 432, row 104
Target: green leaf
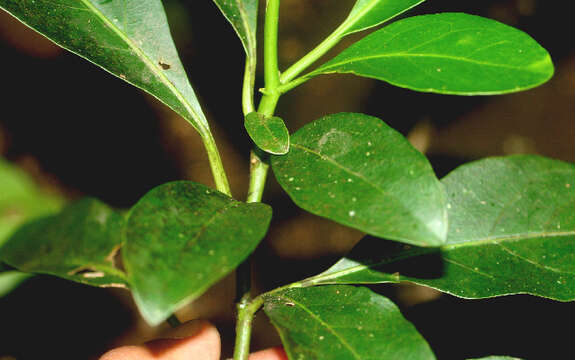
column 512, row 230
column 343, row 322
column 9, row 280
column 369, row 13
column 269, row 133
column 128, row 38
column 21, row 200
column 181, row 238
column 78, row 244
column 357, row 171
column 243, row 15
column 448, row 53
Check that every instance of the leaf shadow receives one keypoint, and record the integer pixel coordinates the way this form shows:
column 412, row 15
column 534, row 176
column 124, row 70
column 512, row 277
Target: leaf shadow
column 390, row 257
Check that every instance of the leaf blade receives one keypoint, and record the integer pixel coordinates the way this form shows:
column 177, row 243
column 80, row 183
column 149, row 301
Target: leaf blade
column 243, row 16
column 447, row 53
column 129, row 39
column 342, row 322
column 181, row 238
column 339, row 167
column 77, row 244
column 269, row 133
column 369, row 13
column 513, row 233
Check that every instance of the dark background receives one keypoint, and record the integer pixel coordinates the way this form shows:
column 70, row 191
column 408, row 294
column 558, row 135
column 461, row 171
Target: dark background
column 80, row 131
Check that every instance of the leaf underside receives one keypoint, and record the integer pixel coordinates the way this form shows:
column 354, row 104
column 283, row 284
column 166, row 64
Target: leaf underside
column 357, row 171
column 447, row 53
column 343, row 322
column 128, row 38
column 512, row 230
column 366, row 14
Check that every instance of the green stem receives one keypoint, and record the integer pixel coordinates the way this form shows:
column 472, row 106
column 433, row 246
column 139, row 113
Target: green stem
column 293, row 71
column 246, row 312
column 248, row 86
column 218, row 171
column 259, row 166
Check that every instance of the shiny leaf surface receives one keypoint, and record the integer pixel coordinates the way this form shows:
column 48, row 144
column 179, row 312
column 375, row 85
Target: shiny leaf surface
column 369, row 13
column 448, row 53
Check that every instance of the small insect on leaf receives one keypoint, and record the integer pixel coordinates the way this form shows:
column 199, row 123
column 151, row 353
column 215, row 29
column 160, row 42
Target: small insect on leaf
column 164, row 65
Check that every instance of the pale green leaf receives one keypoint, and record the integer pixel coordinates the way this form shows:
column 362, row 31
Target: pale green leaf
column 448, row 53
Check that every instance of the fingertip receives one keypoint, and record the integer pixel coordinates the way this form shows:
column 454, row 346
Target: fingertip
column 192, row 340
column 275, row 353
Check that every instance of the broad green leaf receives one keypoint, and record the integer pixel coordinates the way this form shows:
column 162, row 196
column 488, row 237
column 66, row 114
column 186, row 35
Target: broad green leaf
column 21, row 200
column 181, row 238
column 448, row 53
column 128, row 38
column 343, row 322
column 369, row 13
column 357, row 171
column 269, row 133
column 243, row 15
column 512, row 230
column 9, row 280
column 78, row 244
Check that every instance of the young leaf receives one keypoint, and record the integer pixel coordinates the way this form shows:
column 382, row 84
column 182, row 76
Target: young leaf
column 448, row 53
column 369, row 13
column 512, row 230
column 128, row 38
column 79, row 244
column 181, row 238
column 354, row 169
column 268, row 133
column 21, row 200
column 343, row 322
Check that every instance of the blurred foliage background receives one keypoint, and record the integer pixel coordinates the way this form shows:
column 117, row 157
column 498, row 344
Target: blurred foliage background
column 76, row 131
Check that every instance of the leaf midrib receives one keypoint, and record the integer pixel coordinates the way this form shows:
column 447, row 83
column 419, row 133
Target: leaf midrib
column 202, row 127
column 438, row 56
column 423, row 251
column 367, row 181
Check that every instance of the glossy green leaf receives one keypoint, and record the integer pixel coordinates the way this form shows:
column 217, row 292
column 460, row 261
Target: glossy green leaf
column 128, row 38
column 269, row 133
column 78, row 244
column 357, row 171
column 369, row 13
column 21, row 200
column 343, row 322
column 181, row 238
column 448, row 53
column 243, row 15
column 9, row 280
column 512, row 230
